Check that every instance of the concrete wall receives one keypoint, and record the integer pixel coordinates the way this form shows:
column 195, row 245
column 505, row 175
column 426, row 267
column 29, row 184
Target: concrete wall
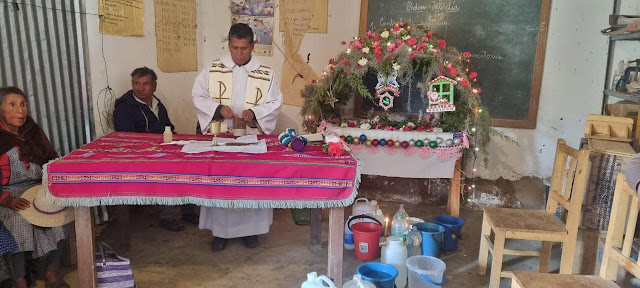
column 571, row 86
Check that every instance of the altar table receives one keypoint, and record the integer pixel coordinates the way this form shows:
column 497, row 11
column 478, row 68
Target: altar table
column 124, row 168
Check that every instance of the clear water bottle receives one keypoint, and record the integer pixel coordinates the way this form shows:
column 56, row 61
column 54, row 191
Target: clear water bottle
column 414, row 242
column 400, row 223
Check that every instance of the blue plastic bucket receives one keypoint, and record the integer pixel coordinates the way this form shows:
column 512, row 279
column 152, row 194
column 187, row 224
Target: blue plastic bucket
column 431, row 238
column 452, row 231
column 380, row 274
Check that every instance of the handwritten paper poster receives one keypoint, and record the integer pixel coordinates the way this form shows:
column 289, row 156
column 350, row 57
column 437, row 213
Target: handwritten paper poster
column 176, row 35
column 121, row 17
column 258, row 14
column 319, row 16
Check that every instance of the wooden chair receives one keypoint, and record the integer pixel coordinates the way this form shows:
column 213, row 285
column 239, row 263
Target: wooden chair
column 567, row 189
column 617, row 248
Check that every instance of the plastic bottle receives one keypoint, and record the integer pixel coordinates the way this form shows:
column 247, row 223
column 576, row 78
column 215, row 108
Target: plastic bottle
column 621, row 67
column 348, row 236
column 167, row 136
column 364, row 206
column 394, row 253
column 414, row 242
column 400, row 223
column 357, row 282
column 315, row 281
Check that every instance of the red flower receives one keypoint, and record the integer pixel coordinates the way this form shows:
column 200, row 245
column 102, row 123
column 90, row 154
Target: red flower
column 359, row 66
column 429, row 34
column 331, row 67
column 396, row 28
column 412, row 56
column 343, row 42
column 420, row 128
column 412, row 41
column 352, row 124
column 473, row 75
column 479, row 90
column 335, row 149
column 346, row 62
column 314, row 81
column 425, row 38
column 377, row 51
column 466, row 54
column 464, row 83
column 378, row 59
column 348, row 73
column 453, row 71
column 331, row 61
column 389, row 57
column 442, row 43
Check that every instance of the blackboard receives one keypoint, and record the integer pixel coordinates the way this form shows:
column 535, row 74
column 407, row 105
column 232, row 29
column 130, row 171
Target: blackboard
column 507, row 40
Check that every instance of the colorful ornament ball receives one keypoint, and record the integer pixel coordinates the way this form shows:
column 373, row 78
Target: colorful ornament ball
column 382, row 142
column 405, row 144
column 433, row 144
column 363, row 137
column 419, row 143
column 349, row 139
column 390, row 143
column 375, row 142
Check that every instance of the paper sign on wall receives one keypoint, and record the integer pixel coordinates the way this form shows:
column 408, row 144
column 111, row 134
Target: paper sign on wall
column 121, row 17
column 176, row 35
column 319, row 16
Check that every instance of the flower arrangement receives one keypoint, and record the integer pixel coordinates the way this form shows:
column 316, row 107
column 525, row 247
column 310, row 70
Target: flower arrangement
column 402, row 51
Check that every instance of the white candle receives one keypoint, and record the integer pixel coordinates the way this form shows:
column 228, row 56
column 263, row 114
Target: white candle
column 386, row 225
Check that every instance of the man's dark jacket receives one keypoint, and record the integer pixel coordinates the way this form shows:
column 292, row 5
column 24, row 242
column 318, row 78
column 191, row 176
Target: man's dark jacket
column 130, row 115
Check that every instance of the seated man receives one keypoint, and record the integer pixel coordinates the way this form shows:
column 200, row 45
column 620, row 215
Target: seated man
column 240, row 82
column 139, row 110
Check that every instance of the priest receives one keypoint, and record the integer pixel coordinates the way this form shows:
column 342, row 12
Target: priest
column 237, row 86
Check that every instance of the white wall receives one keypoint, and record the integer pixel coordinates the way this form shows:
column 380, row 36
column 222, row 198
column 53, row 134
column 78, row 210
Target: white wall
column 571, row 86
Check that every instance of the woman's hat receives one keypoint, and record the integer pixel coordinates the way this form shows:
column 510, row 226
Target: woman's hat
column 42, row 212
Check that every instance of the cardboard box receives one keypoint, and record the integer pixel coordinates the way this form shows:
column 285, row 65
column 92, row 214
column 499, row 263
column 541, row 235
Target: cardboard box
column 622, row 110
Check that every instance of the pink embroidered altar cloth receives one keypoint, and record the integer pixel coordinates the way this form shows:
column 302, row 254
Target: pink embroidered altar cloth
column 133, row 168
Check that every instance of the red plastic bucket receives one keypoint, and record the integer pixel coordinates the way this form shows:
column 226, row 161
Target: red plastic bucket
column 366, row 237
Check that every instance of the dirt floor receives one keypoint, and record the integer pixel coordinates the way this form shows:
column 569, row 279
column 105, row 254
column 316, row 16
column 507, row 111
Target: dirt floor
column 184, row 259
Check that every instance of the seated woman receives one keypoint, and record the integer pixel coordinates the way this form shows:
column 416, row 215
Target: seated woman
column 24, row 148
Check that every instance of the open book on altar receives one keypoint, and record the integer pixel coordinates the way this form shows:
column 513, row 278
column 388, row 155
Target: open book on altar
column 244, row 144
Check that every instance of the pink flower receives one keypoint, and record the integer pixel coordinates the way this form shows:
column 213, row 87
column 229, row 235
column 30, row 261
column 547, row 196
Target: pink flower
column 429, row 34
column 314, row 81
column 331, row 68
column 442, row 43
column 453, row 71
column 464, row 83
column 412, row 41
column 396, row 28
column 378, row 126
column 466, row 54
column 346, row 62
column 352, row 124
column 358, row 44
column 473, row 75
column 425, row 38
column 378, row 59
column 412, row 56
column 343, row 42
column 331, row 61
column 377, row 51
column 348, row 73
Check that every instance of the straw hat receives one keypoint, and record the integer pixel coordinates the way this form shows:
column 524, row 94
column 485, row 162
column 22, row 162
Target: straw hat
column 42, row 212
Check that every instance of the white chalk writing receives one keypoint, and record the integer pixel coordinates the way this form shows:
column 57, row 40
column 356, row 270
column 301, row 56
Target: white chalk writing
column 414, row 7
column 449, row 7
column 485, row 55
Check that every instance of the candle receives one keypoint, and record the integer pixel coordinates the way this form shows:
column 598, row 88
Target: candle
column 386, row 225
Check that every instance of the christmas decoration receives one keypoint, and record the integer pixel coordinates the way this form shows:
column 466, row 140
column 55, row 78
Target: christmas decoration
column 441, row 94
column 292, row 140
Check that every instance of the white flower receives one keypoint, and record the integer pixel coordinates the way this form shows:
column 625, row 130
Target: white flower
column 332, row 138
column 363, row 61
column 376, row 119
column 437, row 130
column 344, row 124
column 365, row 126
column 396, row 66
column 365, row 50
column 406, row 37
column 384, row 34
column 411, row 124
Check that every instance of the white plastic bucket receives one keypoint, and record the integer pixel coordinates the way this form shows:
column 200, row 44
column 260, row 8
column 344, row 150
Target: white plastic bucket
column 425, row 271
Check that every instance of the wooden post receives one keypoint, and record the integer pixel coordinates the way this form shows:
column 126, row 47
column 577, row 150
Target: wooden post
column 316, row 229
column 336, row 237
column 86, row 249
column 453, row 205
column 125, row 229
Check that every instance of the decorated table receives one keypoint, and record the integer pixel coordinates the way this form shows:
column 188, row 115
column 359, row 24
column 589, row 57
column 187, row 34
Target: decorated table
column 135, row 169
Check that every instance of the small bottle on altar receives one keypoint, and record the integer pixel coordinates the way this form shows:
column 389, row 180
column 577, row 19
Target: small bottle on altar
column 167, row 136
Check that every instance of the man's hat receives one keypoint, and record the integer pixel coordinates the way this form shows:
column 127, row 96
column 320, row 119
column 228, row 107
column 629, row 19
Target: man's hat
column 42, row 212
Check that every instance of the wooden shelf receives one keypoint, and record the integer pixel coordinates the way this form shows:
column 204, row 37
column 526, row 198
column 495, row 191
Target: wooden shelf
column 626, row 96
column 616, row 36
